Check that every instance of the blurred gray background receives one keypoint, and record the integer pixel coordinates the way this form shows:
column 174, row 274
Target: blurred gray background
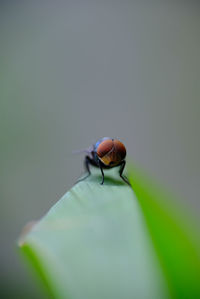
column 72, row 72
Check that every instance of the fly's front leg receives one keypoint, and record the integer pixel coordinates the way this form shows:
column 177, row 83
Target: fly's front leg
column 123, row 163
column 101, row 168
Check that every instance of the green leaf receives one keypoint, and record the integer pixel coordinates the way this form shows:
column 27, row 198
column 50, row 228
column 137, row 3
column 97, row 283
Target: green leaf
column 112, row 241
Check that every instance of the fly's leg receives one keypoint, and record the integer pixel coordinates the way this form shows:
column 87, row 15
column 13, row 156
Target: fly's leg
column 87, row 162
column 121, row 173
column 101, row 168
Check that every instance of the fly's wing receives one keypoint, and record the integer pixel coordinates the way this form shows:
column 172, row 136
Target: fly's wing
column 88, row 150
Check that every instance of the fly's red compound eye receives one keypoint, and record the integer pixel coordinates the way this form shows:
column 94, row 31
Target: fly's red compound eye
column 111, row 152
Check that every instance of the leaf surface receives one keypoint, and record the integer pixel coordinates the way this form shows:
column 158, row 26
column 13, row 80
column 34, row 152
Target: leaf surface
column 112, row 241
